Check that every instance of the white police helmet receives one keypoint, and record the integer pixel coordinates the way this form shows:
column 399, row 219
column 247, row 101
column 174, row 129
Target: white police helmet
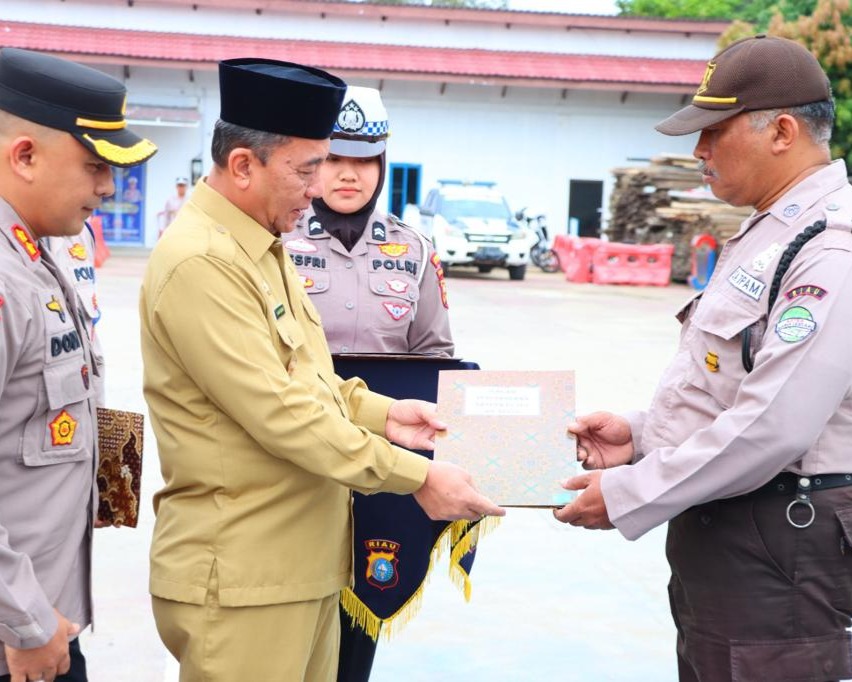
column 362, row 125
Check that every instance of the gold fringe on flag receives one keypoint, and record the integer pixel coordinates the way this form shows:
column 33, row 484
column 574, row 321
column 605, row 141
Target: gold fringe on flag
column 459, row 537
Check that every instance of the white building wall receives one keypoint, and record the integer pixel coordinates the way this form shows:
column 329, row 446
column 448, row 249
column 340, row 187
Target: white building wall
column 531, row 145
column 272, row 24
column 531, row 141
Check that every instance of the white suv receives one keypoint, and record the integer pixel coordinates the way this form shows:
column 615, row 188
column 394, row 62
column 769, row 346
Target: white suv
column 471, row 224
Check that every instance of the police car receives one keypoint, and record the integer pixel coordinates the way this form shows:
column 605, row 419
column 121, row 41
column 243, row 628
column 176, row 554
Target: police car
column 470, row 224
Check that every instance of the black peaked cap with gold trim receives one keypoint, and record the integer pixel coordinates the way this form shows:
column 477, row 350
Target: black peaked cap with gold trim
column 67, row 96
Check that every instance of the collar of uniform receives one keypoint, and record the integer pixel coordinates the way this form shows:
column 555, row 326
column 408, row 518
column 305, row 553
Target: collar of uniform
column 9, row 220
column 254, row 239
column 809, row 191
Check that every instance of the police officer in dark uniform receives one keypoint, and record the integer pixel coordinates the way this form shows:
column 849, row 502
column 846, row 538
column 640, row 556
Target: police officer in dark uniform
column 61, row 128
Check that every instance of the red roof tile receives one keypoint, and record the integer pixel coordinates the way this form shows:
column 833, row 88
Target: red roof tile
column 184, row 50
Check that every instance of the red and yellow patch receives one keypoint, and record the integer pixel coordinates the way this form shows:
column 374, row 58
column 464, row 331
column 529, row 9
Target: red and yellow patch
column 307, row 282
column 393, row 249
column 439, row 271
column 78, row 251
column 24, row 239
column 2, row 301
column 62, row 429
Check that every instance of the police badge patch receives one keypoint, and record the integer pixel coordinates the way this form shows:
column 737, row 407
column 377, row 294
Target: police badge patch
column 382, row 563
column 795, row 324
column 62, row 429
column 351, row 118
column 379, row 231
column 396, row 310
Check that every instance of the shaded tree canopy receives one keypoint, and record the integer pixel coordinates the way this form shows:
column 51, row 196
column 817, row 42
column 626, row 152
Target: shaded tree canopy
column 823, row 26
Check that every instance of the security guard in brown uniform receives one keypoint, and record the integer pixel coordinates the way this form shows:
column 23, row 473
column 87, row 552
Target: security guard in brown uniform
column 376, row 282
column 61, row 127
column 745, row 449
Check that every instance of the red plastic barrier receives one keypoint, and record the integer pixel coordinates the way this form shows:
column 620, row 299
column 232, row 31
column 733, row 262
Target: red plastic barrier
column 101, row 249
column 575, row 256
column 615, row 263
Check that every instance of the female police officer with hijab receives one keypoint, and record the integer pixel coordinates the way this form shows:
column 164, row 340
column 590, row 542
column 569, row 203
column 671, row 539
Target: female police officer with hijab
column 376, row 282
column 379, row 288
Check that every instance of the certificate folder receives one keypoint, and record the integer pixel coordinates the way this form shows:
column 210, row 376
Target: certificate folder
column 509, row 429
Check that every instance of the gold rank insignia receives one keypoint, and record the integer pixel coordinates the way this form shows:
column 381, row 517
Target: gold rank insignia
column 24, row 239
column 712, row 361
column 77, row 252
column 705, row 80
column 393, row 249
column 62, row 429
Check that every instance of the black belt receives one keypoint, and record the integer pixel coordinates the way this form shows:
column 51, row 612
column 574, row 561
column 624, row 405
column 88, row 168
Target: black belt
column 787, row 483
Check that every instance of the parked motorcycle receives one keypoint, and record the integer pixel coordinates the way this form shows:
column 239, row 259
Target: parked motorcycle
column 541, row 252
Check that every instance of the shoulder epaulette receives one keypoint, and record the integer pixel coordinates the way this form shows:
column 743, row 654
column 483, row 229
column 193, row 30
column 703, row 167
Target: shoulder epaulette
column 222, row 246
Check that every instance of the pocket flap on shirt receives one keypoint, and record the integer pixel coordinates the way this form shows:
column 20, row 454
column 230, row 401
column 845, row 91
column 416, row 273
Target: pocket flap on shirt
column 65, row 384
column 395, row 285
column 726, row 321
column 317, row 282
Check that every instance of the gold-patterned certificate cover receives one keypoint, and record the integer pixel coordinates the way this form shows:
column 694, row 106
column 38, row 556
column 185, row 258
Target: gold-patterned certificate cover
column 120, row 437
column 509, row 430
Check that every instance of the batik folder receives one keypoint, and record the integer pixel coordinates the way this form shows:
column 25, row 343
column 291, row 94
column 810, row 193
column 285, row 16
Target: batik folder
column 509, row 430
column 120, row 439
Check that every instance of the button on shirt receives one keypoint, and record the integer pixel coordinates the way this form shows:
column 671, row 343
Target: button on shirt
column 47, row 445
column 714, row 431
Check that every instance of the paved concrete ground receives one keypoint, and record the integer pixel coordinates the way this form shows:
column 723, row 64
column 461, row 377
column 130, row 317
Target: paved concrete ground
column 549, row 601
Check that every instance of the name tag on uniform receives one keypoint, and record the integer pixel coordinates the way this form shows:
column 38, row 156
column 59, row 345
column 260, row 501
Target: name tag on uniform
column 745, row 283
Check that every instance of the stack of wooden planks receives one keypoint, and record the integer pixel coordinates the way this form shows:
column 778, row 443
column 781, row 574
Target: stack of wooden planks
column 665, row 202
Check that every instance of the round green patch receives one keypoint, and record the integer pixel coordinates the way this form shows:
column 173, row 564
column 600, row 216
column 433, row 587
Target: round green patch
column 796, row 324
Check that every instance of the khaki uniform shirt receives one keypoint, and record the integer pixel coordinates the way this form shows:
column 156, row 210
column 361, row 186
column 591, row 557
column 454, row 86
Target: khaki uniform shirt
column 259, row 440
column 387, row 295
column 76, row 257
column 714, row 431
column 47, row 445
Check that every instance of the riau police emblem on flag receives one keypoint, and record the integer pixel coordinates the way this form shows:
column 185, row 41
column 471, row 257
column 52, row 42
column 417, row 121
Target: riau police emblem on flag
column 381, row 563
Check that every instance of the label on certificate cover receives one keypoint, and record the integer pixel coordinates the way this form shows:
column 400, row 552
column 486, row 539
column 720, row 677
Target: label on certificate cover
column 509, row 430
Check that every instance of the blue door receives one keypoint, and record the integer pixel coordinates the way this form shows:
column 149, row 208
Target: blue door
column 405, row 187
